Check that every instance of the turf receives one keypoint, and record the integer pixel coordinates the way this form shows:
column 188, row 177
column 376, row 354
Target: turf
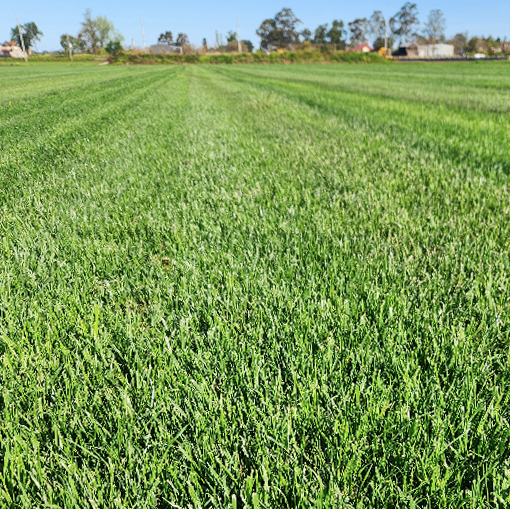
column 255, row 286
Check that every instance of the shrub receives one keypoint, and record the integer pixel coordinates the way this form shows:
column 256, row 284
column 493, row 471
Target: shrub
column 300, row 56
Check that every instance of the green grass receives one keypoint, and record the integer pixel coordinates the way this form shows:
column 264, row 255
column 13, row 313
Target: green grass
column 255, row 286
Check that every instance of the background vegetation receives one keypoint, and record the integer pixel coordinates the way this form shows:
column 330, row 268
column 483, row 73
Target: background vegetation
column 301, row 56
column 284, row 32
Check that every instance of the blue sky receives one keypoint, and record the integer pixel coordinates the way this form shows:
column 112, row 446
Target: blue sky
column 200, row 19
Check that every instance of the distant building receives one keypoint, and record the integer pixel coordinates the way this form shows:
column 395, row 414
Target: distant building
column 162, row 49
column 436, row 51
column 364, row 47
column 270, row 48
column 407, row 49
column 414, row 50
column 11, row 50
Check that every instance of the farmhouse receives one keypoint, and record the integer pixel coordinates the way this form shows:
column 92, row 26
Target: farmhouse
column 364, row 47
column 12, row 50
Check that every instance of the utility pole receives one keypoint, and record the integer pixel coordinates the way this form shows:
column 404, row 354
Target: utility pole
column 386, row 35
column 143, row 36
column 21, row 40
column 70, row 48
column 239, row 45
column 132, row 44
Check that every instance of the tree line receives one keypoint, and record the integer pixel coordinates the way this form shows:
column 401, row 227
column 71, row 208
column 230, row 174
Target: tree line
column 95, row 35
column 168, row 38
column 282, row 32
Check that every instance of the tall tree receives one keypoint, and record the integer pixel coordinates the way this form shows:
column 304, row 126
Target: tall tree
column 267, row 33
column 403, row 23
column 231, row 36
column 306, row 34
column 182, row 40
column 358, row 28
column 166, row 38
column 97, row 33
column 320, row 34
column 473, row 45
column 459, row 42
column 88, row 32
column 281, row 31
column 337, row 33
column 435, row 26
column 31, row 34
column 106, row 32
column 69, row 42
column 286, row 24
column 377, row 25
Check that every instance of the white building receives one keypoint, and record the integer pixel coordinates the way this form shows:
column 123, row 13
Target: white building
column 162, row 49
column 9, row 49
column 436, row 51
column 414, row 50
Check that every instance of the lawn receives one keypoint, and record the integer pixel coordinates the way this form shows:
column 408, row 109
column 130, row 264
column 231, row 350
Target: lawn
column 255, row 286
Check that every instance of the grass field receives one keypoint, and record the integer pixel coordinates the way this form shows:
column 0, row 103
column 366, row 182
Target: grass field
column 255, row 286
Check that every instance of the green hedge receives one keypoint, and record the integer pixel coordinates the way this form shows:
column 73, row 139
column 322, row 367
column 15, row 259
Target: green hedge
column 63, row 57
column 285, row 57
column 303, row 56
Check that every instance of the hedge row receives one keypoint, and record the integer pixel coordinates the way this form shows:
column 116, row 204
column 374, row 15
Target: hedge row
column 304, row 56
column 63, row 57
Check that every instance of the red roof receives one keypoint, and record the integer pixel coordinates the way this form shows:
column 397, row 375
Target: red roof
column 360, row 47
